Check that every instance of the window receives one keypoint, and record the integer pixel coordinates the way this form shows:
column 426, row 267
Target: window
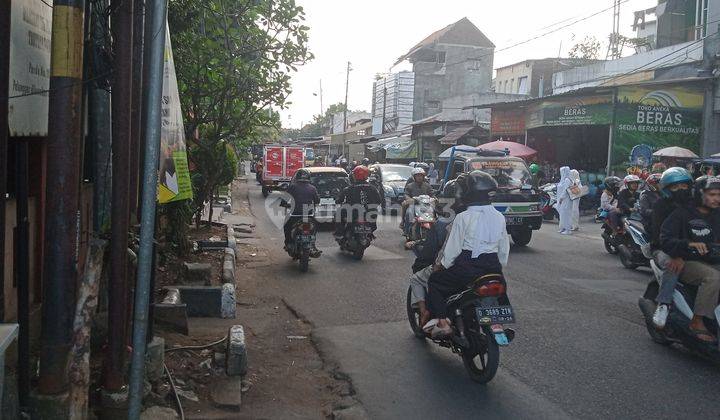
column 523, row 87
column 433, row 104
column 441, row 57
column 505, row 88
column 701, row 18
column 473, row 64
column 512, row 85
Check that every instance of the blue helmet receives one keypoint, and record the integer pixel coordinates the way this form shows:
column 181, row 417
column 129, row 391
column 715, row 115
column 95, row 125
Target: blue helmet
column 675, row 175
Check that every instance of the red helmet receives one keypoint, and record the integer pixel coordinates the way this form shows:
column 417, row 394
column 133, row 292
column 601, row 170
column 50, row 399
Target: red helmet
column 360, row 173
column 653, row 181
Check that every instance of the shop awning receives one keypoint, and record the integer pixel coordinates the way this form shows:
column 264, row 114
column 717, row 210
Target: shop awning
column 452, row 137
column 400, row 147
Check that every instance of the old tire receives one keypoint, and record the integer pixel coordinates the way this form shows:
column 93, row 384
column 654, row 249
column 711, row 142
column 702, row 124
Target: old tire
column 521, row 237
column 414, row 317
column 482, row 366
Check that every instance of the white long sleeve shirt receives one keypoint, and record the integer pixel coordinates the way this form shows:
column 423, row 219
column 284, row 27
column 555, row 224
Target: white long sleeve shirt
column 479, row 229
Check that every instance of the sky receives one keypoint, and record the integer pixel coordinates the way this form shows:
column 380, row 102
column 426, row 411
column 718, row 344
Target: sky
column 373, row 34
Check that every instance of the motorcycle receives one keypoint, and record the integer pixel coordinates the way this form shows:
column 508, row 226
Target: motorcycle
column 676, row 329
column 424, row 217
column 356, row 238
column 302, row 239
column 478, row 315
column 634, row 251
column 548, row 198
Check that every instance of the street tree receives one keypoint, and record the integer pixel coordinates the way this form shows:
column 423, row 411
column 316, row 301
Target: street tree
column 234, row 60
column 588, row 48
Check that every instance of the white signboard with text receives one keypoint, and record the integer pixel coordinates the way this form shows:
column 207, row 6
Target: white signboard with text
column 30, row 35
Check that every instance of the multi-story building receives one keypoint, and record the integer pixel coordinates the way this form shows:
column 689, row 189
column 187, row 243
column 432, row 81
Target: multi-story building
column 454, row 61
column 533, row 77
column 392, row 106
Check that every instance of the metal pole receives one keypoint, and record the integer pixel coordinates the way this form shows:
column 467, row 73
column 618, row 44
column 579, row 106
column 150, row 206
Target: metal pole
column 321, row 101
column 138, row 32
column 157, row 10
column 382, row 129
column 610, row 135
column 62, row 216
column 4, row 133
column 118, row 290
column 347, row 85
column 22, row 269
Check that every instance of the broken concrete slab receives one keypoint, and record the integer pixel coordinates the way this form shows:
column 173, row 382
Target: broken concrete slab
column 228, row 306
column 243, row 230
column 171, row 317
column 202, row 301
column 212, row 245
column 228, row 274
column 226, row 392
column 155, row 359
column 247, row 241
column 236, row 354
column 197, row 273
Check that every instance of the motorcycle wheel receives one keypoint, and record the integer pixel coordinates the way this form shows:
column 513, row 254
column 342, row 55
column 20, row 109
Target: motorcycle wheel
column 521, row 237
column 482, row 365
column 304, row 262
column 414, row 317
column 358, row 254
column 265, row 192
column 610, row 248
column 625, row 261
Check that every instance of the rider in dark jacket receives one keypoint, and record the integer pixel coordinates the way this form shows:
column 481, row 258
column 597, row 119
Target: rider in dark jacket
column 359, row 193
column 304, row 197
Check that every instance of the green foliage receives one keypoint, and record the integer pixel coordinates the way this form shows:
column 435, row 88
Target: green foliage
column 588, row 48
column 234, row 60
column 320, row 125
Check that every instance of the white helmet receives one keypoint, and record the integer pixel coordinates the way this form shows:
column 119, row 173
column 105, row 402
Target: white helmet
column 418, row 171
column 631, row 178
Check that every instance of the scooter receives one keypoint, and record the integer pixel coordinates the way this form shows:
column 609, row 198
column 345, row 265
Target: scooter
column 478, row 315
column 634, row 249
column 548, row 198
column 676, row 329
column 424, row 217
column 356, row 239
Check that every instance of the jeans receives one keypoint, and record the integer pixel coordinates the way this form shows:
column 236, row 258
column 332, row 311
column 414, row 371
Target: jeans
column 668, row 280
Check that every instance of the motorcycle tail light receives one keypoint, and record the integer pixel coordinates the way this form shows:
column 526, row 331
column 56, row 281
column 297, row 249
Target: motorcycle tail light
column 307, row 228
column 489, row 289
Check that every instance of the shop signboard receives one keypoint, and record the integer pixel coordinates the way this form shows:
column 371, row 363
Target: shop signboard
column 507, row 122
column 658, row 116
column 569, row 111
column 30, row 40
column 174, row 181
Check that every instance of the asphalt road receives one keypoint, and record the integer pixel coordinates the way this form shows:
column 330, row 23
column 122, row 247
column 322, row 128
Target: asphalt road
column 581, row 349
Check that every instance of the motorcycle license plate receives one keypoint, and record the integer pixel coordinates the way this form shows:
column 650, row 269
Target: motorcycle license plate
column 513, row 221
column 306, row 239
column 327, row 201
column 363, row 229
column 495, row 315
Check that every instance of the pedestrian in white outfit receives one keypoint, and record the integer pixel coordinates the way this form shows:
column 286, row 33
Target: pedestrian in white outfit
column 575, row 178
column 564, row 203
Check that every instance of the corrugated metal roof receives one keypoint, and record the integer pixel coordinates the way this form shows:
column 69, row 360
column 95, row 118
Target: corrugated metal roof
column 452, row 137
column 468, row 34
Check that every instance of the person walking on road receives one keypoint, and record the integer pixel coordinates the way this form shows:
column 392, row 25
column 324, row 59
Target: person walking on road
column 564, row 203
column 432, row 174
column 575, row 178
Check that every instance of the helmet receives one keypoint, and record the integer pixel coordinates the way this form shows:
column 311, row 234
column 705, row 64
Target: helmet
column 424, row 166
column 534, row 168
column 675, row 175
column 302, row 176
column 653, row 181
column 418, row 171
column 612, row 183
column 343, row 161
column 478, row 187
column 360, row 173
column 706, row 182
column 366, row 161
column 630, row 179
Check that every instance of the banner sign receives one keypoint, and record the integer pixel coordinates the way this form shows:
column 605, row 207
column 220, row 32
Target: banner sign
column 174, row 175
column 30, row 35
column 401, row 150
column 585, row 110
column 658, row 116
column 507, row 122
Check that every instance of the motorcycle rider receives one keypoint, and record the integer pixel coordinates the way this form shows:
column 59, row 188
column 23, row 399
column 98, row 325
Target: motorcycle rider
column 430, row 252
column 627, row 198
column 477, row 245
column 305, row 197
column 686, row 236
column 608, row 199
column 359, row 193
column 366, row 162
column 675, row 186
column 418, row 186
column 648, row 197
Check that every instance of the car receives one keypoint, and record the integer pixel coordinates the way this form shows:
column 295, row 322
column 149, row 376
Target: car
column 329, row 182
column 390, row 180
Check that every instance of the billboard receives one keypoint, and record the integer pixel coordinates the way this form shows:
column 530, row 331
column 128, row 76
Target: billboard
column 174, row 175
column 659, row 116
column 583, row 110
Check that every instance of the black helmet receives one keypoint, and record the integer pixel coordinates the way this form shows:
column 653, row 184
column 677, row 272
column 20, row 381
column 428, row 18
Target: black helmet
column 302, row 176
column 703, row 184
column 366, row 162
column 612, row 183
column 478, row 187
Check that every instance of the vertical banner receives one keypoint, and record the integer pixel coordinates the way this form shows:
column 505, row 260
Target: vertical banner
column 657, row 116
column 174, row 175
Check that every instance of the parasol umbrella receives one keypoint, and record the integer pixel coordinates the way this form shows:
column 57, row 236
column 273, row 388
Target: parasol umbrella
column 675, row 152
column 516, row 149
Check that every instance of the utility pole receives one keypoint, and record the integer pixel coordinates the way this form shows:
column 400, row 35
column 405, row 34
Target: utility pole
column 347, row 85
column 4, row 132
column 711, row 106
column 382, row 130
column 321, row 101
column 118, row 285
column 63, row 191
column 137, row 77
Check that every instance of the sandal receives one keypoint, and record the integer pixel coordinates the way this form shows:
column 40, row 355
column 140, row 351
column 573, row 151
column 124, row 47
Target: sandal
column 699, row 334
column 438, row 333
column 428, row 327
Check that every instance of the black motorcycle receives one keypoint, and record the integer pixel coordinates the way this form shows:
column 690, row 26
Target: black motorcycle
column 356, row 238
column 676, row 328
column 302, row 243
column 631, row 244
column 478, row 315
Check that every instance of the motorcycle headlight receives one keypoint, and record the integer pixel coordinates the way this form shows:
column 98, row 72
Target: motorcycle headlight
column 389, row 191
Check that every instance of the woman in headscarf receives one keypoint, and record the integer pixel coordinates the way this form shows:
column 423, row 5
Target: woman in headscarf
column 564, row 203
column 575, row 178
